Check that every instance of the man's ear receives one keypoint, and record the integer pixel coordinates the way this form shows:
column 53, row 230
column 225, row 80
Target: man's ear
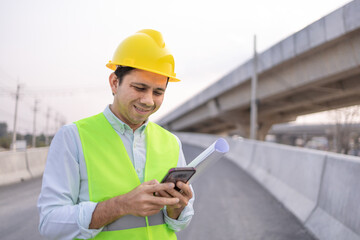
column 114, row 83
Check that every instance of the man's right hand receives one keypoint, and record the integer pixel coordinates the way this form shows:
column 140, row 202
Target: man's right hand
column 138, row 202
column 142, row 202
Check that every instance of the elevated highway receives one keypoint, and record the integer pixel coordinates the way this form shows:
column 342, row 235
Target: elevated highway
column 315, row 69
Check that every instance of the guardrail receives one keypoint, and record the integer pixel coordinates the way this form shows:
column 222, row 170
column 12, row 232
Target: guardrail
column 22, row 165
column 320, row 188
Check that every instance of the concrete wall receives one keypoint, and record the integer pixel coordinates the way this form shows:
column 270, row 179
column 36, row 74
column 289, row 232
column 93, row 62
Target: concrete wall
column 20, row 166
column 321, row 189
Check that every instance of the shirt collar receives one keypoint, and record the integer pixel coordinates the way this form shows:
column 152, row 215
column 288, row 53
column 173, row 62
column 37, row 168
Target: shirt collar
column 119, row 125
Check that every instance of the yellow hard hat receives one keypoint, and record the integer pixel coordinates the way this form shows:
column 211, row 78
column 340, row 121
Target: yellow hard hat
column 145, row 50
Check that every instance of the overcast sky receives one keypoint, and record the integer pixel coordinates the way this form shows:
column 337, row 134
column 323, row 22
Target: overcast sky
column 57, row 50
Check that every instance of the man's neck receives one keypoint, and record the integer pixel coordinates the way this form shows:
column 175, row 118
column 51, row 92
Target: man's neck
column 132, row 126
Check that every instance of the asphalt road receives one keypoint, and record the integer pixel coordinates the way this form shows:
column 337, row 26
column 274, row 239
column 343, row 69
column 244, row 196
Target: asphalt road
column 19, row 217
column 229, row 205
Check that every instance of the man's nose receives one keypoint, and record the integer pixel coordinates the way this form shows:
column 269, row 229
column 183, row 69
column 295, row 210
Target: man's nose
column 147, row 99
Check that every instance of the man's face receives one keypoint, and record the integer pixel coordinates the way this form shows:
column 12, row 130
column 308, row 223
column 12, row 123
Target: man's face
column 138, row 96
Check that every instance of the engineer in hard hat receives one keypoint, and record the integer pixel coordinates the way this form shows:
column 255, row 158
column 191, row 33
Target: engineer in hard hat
column 102, row 173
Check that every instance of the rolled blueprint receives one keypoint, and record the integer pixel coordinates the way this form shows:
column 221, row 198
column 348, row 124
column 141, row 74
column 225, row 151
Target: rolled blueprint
column 208, row 157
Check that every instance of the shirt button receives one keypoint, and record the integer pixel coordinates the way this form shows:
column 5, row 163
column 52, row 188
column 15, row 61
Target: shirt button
column 138, row 170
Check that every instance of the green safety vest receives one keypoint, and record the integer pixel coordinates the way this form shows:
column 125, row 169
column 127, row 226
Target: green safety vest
column 111, row 173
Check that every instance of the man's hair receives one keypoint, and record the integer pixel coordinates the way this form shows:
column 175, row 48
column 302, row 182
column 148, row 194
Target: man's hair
column 121, row 71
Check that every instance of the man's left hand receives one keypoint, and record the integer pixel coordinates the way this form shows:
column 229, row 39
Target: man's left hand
column 184, row 196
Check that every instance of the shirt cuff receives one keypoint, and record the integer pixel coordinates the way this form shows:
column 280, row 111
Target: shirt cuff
column 182, row 221
column 86, row 210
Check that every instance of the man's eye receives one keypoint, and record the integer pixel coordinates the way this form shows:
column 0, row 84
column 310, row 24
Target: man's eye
column 139, row 89
column 158, row 93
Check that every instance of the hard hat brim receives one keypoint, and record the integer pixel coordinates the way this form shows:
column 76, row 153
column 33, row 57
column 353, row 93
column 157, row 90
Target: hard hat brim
column 113, row 67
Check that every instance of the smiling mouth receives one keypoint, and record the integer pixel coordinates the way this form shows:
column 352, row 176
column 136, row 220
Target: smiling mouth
column 141, row 110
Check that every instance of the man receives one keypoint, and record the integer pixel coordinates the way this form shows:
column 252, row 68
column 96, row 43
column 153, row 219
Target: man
column 102, row 173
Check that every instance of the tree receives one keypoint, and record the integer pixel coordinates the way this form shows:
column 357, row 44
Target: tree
column 345, row 137
column 3, row 129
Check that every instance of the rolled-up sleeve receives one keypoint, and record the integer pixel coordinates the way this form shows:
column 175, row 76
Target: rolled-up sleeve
column 186, row 215
column 61, row 216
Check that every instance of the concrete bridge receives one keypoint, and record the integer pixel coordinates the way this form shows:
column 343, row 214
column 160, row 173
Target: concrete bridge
column 315, row 69
column 258, row 191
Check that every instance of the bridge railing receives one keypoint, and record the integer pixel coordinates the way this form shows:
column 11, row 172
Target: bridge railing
column 320, row 188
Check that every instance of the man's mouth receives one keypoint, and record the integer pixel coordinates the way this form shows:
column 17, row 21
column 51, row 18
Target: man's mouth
column 142, row 110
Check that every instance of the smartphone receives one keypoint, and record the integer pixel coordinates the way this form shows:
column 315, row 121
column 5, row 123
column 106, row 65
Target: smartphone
column 179, row 174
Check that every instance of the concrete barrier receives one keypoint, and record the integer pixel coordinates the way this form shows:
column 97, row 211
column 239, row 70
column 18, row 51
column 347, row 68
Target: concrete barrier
column 320, row 188
column 36, row 158
column 241, row 151
column 337, row 215
column 292, row 175
column 13, row 167
column 21, row 165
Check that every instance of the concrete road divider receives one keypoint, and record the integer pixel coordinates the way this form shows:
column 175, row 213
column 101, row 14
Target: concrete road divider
column 21, row 165
column 241, row 151
column 36, row 158
column 13, row 167
column 292, row 175
column 321, row 189
column 337, row 215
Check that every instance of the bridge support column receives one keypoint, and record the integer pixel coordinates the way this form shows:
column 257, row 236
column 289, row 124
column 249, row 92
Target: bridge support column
column 244, row 130
column 263, row 131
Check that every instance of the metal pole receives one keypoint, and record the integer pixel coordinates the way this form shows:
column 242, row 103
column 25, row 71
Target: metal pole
column 253, row 113
column 15, row 117
column 34, row 126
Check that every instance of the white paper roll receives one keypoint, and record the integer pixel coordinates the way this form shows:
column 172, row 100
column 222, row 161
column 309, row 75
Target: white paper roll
column 208, row 157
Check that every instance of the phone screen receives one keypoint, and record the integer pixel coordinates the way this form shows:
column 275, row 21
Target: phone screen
column 179, row 174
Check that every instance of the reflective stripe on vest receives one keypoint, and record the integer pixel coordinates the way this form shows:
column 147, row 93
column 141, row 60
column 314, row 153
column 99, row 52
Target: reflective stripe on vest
column 111, row 172
column 130, row 221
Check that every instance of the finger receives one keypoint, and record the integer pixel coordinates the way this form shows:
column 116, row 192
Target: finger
column 183, row 200
column 184, row 195
column 185, row 188
column 162, row 201
column 164, row 194
column 159, row 187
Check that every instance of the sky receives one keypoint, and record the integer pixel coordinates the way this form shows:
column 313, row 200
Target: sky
column 57, row 50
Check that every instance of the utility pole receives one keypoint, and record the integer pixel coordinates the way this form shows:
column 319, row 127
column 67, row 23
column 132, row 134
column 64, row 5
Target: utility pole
column 15, row 117
column 47, row 127
column 34, row 126
column 253, row 113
